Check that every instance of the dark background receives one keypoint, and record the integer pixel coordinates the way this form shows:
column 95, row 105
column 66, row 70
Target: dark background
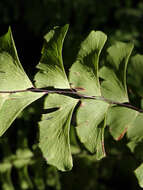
column 30, row 20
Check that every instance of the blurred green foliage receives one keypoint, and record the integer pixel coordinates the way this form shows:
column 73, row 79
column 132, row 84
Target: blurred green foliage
column 21, row 162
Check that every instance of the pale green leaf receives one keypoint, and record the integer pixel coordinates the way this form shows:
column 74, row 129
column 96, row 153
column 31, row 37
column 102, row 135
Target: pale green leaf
column 12, row 77
column 135, row 132
column 91, row 124
column 135, row 73
column 114, row 88
column 91, row 113
column 13, row 105
column 55, row 126
column 52, row 73
column 54, row 131
column 114, row 73
column 119, row 120
column 84, row 72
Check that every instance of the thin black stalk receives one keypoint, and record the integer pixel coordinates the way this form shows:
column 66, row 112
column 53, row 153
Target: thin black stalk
column 76, row 93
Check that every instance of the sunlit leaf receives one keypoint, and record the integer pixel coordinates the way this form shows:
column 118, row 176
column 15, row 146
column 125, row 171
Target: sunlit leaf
column 84, row 72
column 55, row 126
column 135, row 74
column 114, row 73
column 91, row 113
column 119, row 120
column 135, row 132
column 54, row 131
column 13, row 105
column 51, row 71
column 12, row 77
column 114, row 88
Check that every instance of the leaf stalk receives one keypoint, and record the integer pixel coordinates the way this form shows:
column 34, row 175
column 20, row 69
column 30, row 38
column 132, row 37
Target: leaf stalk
column 75, row 93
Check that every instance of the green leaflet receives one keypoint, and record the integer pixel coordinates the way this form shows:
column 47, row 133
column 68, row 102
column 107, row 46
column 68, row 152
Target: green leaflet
column 135, row 74
column 84, row 72
column 122, row 120
column 90, row 125
column 139, row 175
column 135, row 132
column 13, row 105
column 91, row 113
column 54, row 131
column 114, row 88
column 12, row 77
column 114, row 73
column 54, row 127
column 119, row 120
column 51, row 70
column 135, row 136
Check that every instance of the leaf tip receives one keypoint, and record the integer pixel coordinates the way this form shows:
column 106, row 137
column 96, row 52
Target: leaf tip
column 9, row 29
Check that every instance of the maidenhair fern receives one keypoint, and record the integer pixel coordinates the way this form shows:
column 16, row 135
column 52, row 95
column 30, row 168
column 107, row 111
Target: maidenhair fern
column 95, row 94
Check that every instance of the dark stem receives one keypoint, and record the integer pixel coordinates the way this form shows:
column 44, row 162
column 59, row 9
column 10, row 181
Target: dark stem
column 74, row 92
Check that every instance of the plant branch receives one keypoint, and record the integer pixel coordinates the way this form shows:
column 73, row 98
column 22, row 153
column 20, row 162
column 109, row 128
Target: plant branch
column 74, row 92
